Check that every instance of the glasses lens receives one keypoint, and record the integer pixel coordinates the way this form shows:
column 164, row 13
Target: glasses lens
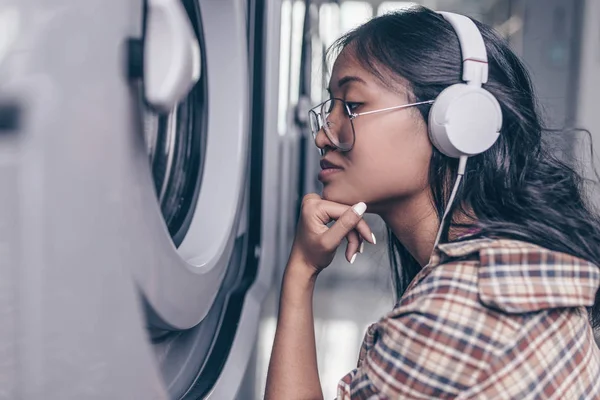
column 314, row 123
column 338, row 125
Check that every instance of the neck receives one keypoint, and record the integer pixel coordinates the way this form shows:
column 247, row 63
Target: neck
column 415, row 223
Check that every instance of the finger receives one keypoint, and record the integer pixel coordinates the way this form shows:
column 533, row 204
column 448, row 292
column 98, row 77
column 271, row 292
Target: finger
column 365, row 232
column 329, row 210
column 361, row 242
column 353, row 246
column 344, row 225
column 310, row 197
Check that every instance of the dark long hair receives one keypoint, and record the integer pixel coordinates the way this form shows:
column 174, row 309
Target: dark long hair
column 518, row 189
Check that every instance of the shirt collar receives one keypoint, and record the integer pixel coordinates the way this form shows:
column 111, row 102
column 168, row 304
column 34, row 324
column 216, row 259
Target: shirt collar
column 517, row 277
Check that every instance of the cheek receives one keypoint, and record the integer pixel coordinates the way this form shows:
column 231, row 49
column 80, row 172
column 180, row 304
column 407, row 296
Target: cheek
column 408, row 156
column 398, row 170
column 390, row 165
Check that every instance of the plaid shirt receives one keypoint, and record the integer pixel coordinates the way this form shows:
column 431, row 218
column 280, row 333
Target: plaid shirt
column 485, row 319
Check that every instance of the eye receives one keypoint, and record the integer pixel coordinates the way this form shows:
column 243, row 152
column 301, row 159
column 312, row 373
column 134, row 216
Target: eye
column 353, row 105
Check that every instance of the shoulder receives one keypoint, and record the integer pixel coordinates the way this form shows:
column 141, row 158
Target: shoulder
column 466, row 312
column 507, row 275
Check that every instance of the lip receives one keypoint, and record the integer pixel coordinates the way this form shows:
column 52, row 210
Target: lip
column 328, row 169
column 326, row 164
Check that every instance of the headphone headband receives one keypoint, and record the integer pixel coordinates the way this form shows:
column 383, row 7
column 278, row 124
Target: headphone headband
column 474, row 56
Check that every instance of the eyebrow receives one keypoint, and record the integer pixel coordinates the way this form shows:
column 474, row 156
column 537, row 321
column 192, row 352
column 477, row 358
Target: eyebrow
column 347, row 79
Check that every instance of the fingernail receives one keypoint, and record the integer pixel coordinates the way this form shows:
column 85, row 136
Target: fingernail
column 353, row 258
column 360, row 208
column 362, row 248
column 374, row 240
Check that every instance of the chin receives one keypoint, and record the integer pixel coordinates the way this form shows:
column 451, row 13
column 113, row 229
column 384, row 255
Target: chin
column 331, row 193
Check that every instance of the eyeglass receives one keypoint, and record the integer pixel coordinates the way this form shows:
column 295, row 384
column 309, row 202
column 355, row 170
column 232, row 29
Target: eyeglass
column 336, row 118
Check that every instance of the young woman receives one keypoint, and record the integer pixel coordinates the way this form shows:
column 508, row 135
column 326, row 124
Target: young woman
column 504, row 308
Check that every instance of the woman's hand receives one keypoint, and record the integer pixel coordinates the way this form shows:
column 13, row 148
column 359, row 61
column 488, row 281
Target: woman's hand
column 293, row 368
column 315, row 244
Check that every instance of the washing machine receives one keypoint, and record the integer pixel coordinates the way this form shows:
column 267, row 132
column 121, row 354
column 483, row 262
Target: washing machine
column 138, row 181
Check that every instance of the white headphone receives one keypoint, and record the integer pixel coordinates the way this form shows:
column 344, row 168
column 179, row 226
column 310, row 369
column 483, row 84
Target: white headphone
column 466, row 119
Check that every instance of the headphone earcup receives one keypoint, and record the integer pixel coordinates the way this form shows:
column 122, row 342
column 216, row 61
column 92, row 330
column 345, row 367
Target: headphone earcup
column 465, row 120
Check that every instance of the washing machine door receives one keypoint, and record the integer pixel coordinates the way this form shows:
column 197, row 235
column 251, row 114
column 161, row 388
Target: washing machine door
column 127, row 245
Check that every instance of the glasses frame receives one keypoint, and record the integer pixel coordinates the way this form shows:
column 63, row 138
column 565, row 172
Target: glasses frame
column 320, row 120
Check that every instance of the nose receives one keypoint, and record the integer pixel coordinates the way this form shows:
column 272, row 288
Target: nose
column 322, row 141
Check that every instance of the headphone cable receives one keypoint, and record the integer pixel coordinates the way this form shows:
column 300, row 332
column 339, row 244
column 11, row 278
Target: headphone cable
column 462, row 164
